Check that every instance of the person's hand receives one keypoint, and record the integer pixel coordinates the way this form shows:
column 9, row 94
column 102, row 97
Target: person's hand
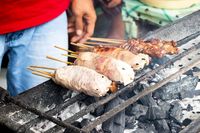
column 83, row 20
column 113, row 3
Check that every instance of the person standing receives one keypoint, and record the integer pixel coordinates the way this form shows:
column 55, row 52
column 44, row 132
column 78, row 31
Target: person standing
column 28, row 31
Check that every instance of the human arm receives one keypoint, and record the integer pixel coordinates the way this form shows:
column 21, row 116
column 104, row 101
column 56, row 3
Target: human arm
column 82, row 21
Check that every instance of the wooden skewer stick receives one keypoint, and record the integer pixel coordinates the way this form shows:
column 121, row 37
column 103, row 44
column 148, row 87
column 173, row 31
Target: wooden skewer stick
column 42, row 72
column 43, row 67
column 42, row 75
column 81, row 45
column 52, row 58
column 75, row 44
column 106, row 40
column 101, row 44
column 113, row 39
column 72, row 56
column 70, row 51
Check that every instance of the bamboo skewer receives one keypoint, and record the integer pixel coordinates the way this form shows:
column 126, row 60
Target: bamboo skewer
column 41, row 72
column 81, row 45
column 42, row 75
column 70, row 51
column 43, row 67
column 101, row 44
column 72, row 56
column 110, row 39
column 106, row 40
column 95, row 43
column 66, row 62
column 113, row 39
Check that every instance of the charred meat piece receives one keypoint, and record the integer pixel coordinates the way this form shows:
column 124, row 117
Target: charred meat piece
column 154, row 47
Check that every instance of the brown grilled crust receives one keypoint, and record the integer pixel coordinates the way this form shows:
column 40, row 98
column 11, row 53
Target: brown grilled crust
column 153, row 47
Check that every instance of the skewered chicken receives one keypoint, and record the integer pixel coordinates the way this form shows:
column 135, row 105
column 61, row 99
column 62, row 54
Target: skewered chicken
column 82, row 79
column 154, row 47
column 137, row 62
column 115, row 70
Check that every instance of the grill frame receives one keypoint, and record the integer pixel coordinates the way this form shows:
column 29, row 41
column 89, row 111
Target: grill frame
column 57, row 97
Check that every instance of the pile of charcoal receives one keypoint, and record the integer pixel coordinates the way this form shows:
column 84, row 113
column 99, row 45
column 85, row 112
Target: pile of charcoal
column 167, row 110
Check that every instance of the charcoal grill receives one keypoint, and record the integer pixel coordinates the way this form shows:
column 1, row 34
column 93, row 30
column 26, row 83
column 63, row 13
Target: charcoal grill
column 44, row 101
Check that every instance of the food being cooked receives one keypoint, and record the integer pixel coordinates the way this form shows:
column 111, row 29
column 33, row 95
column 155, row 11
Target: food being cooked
column 83, row 79
column 137, row 61
column 153, row 47
column 115, row 70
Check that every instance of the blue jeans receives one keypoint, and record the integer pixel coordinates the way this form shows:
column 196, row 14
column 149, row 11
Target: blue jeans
column 30, row 47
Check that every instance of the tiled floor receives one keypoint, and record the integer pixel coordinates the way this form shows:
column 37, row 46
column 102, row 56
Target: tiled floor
column 3, row 78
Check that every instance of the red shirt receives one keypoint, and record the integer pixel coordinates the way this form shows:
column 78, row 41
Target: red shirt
column 17, row 15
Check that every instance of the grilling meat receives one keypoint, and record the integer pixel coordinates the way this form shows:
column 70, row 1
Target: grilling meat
column 82, row 79
column 137, row 61
column 154, row 47
column 115, row 70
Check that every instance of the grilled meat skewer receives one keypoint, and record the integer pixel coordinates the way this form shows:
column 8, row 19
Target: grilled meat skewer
column 80, row 79
column 154, row 47
column 137, row 62
column 115, row 70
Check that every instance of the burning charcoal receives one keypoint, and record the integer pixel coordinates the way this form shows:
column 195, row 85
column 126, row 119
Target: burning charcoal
column 137, row 110
column 139, row 130
column 98, row 111
column 143, row 119
column 77, row 124
column 162, row 126
column 197, row 92
column 165, row 106
column 115, row 124
column 85, row 122
column 155, row 113
column 95, row 131
column 196, row 69
column 130, row 122
column 148, row 127
column 68, row 94
column 89, row 100
column 159, row 61
column 175, row 90
column 148, row 100
column 156, row 79
column 164, row 73
column 129, row 93
column 174, row 127
column 190, row 72
column 176, row 112
column 189, row 108
column 144, row 84
column 186, row 122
